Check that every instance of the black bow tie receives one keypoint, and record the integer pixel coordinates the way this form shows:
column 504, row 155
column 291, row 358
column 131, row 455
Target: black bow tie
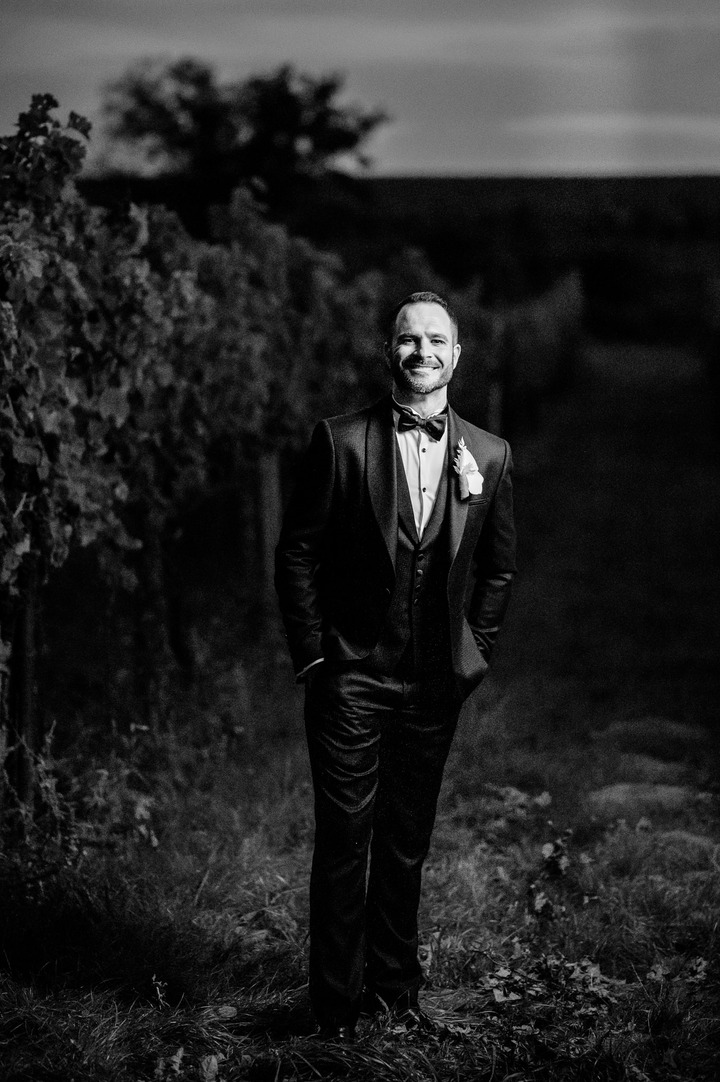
column 434, row 426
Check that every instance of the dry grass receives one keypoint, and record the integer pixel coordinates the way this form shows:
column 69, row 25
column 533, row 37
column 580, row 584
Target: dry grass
column 545, row 959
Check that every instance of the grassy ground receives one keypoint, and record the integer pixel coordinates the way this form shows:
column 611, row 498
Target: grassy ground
column 569, row 919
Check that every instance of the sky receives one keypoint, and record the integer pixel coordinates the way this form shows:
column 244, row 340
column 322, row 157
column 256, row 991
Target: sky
column 473, row 87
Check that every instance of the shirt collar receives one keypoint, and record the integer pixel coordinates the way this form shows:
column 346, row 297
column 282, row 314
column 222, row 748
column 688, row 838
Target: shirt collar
column 397, row 408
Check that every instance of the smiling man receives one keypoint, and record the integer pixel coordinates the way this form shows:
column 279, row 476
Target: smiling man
column 393, row 572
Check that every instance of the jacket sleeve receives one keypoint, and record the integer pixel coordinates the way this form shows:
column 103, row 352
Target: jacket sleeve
column 493, row 565
column 299, row 551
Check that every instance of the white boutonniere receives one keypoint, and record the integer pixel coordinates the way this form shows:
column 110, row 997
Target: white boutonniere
column 465, row 466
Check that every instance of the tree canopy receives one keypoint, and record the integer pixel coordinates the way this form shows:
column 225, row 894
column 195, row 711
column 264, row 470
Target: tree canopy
column 271, row 129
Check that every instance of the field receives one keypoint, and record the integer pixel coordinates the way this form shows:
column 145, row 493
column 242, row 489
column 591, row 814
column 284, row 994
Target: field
column 570, row 913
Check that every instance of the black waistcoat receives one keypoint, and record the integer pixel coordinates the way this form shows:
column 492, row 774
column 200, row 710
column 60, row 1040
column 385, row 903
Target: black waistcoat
column 415, row 637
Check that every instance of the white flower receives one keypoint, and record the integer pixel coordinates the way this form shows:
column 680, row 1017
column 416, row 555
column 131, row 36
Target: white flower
column 471, row 480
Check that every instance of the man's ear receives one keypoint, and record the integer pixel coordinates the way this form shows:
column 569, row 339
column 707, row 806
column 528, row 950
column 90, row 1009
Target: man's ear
column 387, row 353
column 457, row 349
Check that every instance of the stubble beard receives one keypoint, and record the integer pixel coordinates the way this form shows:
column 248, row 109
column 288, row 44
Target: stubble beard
column 406, row 381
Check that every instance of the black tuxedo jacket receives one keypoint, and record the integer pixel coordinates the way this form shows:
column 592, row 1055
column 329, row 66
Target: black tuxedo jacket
column 335, row 561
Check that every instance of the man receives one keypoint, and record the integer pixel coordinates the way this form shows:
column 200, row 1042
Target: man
column 393, row 572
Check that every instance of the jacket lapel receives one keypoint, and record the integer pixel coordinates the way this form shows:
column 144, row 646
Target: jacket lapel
column 381, row 472
column 457, row 508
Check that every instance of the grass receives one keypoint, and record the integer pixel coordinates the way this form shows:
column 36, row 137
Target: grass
column 178, row 951
column 154, row 926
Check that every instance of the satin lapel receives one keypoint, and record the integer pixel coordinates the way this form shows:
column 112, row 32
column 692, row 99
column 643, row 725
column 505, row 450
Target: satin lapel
column 381, row 472
column 458, row 507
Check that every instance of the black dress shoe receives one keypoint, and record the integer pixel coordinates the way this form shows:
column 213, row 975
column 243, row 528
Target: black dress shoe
column 415, row 1019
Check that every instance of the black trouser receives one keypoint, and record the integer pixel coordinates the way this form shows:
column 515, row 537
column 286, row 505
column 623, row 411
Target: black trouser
column 378, row 746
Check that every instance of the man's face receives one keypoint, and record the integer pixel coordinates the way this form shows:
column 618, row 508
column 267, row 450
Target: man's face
column 423, row 353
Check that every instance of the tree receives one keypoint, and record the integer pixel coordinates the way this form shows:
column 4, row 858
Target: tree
column 269, row 129
column 138, row 368
column 69, row 366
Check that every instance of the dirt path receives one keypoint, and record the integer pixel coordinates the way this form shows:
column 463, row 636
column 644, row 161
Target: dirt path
column 616, row 611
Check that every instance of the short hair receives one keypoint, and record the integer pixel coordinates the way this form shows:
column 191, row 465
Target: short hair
column 424, row 297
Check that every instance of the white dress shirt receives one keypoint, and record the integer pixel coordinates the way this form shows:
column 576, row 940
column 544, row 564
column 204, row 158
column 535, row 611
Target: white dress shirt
column 424, row 460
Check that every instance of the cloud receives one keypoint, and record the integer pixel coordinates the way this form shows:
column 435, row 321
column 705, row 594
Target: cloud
column 472, row 86
column 614, row 142
column 689, row 128
column 331, row 35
